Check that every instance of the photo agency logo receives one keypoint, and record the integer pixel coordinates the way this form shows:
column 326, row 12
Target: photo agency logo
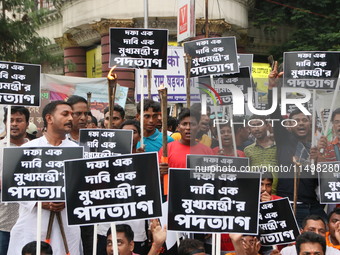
column 282, row 100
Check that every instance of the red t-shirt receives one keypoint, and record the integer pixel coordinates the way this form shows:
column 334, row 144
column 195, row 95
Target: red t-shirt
column 239, row 153
column 177, row 153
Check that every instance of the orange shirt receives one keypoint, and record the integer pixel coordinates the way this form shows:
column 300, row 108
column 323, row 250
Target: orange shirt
column 328, row 242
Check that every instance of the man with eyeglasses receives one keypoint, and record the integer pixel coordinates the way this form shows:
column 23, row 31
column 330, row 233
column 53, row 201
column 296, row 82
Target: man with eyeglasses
column 79, row 120
column 79, row 114
column 331, row 149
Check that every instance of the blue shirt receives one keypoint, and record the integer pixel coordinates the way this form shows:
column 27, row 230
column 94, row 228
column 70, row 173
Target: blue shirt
column 154, row 142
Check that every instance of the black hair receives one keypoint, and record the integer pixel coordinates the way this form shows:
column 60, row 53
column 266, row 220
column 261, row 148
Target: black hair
column 268, row 176
column 310, row 237
column 336, row 210
column 31, row 248
column 312, row 217
column 335, row 112
column 187, row 113
column 190, row 246
column 123, row 228
column 133, row 123
column 172, row 123
column 76, row 99
column 94, row 120
column 18, row 109
column 116, row 108
column 148, row 103
column 296, row 112
column 50, row 108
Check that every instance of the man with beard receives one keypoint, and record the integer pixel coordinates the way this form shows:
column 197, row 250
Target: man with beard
column 57, row 117
column 9, row 212
column 262, row 152
column 296, row 143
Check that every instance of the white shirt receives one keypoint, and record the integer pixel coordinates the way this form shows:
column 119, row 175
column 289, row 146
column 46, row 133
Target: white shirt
column 291, row 250
column 25, row 230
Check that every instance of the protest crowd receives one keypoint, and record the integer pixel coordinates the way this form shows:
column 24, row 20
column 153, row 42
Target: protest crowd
column 186, row 184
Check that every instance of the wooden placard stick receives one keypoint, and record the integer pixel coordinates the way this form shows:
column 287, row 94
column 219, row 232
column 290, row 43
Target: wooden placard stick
column 296, row 182
column 112, row 86
column 89, row 95
column 62, row 231
column 163, row 95
column 188, row 67
column 49, row 227
column 149, row 73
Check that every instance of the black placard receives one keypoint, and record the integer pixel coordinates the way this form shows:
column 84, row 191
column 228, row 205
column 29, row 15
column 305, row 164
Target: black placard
column 118, row 188
column 277, row 223
column 138, row 48
column 105, row 142
column 214, row 163
column 213, row 202
column 329, row 181
column 19, row 84
column 212, row 56
column 311, row 70
column 35, row 173
column 225, row 84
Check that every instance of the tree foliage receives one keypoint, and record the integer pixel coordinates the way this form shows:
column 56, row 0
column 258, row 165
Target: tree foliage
column 19, row 40
column 316, row 23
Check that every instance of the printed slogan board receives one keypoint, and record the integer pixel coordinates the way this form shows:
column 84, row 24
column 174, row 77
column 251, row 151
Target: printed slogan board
column 213, row 202
column 118, row 188
column 36, row 174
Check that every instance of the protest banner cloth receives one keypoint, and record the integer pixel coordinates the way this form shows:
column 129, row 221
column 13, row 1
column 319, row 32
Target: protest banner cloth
column 138, row 48
column 221, row 84
column 311, row 70
column 35, row 174
column 211, row 56
column 209, row 163
column 19, row 84
column 173, row 78
column 329, row 181
column 277, row 223
column 99, row 143
column 213, row 202
column 119, row 188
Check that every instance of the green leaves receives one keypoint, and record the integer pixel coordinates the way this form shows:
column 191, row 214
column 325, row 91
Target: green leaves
column 18, row 38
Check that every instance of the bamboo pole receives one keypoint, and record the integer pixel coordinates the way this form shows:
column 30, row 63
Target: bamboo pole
column 112, row 86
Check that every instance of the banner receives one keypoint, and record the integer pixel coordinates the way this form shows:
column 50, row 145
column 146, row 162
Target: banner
column 329, row 181
column 219, row 164
column 19, row 84
column 213, row 202
column 186, row 21
column 277, row 223
column 99, row 143
column 173, row 78
column 35, row 174
column 311, row 70
column 212, row 56
column 138, row 48
column 119, row 188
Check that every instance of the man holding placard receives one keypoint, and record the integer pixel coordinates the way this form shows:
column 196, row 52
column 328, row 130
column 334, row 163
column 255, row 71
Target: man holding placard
column 331, row 149
column 79, row 114
column 57, row 117
column 9, row 213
